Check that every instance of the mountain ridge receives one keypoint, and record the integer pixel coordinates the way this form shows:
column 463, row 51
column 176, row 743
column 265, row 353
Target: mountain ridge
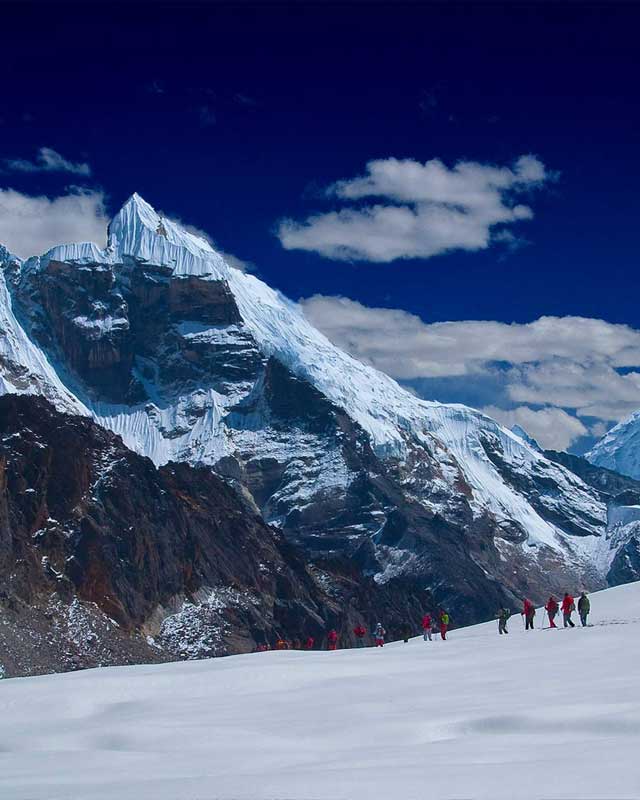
column 189, row 359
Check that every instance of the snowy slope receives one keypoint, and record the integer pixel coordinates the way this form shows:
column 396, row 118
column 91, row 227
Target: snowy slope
column 192, row 424
column 532, row 716
column 619, row 449
column 24, row 368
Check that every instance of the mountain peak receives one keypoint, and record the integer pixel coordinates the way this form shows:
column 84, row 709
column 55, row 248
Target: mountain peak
column 619, row 448
column 7, row 258
column 138, row 207
column 138, row 231
column 522, row 434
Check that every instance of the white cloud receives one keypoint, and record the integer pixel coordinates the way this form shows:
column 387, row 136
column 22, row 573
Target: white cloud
column 552, row 428
column 568, row 364
column 47, row 160
column 32, row 225
column 427, row 209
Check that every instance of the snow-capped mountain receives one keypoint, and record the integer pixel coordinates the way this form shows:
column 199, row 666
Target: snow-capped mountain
column 619, row 449
column 188, row 359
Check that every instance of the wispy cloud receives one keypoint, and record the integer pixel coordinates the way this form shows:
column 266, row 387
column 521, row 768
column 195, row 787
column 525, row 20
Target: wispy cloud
column 588, row 369
column 425, row 210
column 32, row 225
column 552, row 428
column 47, row 160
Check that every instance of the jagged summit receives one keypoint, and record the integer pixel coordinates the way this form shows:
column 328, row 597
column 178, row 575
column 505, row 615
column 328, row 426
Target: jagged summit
column 137, row 232
column 7, row 258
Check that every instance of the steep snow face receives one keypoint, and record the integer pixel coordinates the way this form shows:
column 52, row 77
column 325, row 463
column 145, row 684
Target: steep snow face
column 186, row 418
column 24, row 369
column 619, row 449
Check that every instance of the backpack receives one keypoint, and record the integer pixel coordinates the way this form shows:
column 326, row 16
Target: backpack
column 507, row 613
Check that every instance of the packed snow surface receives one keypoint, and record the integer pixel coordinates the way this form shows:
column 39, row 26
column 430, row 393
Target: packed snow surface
column 537, row 715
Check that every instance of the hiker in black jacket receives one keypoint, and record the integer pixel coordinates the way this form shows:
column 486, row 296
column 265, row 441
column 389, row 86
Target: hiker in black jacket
column 503, row 616
column 584, row 607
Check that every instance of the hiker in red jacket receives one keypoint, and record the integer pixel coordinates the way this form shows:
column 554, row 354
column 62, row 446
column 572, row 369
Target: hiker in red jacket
column 568, row 607
column 552, row 609
column 309, row 642
column 360, row 632
column 426, row 627
column 332, row 639
column 528, row 612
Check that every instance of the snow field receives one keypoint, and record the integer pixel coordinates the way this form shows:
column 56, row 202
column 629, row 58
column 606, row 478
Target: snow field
column 542, row 715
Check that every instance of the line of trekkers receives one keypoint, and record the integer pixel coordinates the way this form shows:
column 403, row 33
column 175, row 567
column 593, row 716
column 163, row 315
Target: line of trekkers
column 431, row 625
column 552, row 607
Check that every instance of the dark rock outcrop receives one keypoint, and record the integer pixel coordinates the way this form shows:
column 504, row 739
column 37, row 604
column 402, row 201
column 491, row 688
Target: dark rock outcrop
column 606, row 481
column 105, row 559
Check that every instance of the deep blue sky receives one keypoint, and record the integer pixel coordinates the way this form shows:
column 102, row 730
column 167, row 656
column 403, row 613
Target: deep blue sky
column 232, row 117
column 137, row 90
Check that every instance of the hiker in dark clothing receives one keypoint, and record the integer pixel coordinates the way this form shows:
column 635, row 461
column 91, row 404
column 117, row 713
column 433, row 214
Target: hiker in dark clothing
column 405, row 631
column 503, row 617
column 584, row 607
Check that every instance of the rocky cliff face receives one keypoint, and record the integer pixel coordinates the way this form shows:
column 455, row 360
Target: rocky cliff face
column 105, row 559
column 188, row 360
column 609, row 483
